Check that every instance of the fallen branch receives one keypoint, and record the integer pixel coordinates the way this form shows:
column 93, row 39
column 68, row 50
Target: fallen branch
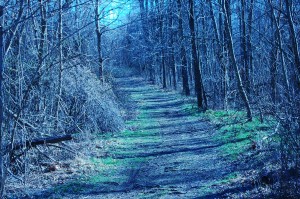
column 36, row 142
column 41, row 141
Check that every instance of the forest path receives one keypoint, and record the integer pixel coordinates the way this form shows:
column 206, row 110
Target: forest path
column 165, row 153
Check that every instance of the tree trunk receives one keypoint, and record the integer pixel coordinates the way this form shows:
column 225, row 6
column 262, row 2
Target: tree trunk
column 183, row 59
column 195, row 61
column 279, row 45
column 220, row 53
column 245, row 60
column 43, row 26
column 293, row 39
column 99, row 38
column 2, row 172
column 171, row 47
column 235, row 66
column 162, row 46
column 60, row 70
column 249, row 46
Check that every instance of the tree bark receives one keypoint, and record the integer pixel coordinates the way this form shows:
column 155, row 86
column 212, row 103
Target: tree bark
column 220, row 53
column 195, row 60
column 60, row 70
column 249, row 46
column 2, row 171
column 41, row 141
column 162, row 46
column 279, row 45
column 293, row 39
column 235, row 66
column 99, row 38
column 245, row 60
column 171, row 47
column 183, row 59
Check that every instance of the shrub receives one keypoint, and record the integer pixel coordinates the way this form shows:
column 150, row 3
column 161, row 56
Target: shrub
column 90, row 102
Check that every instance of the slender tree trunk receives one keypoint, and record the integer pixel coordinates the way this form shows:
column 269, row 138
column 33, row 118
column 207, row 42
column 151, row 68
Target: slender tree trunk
column 235, row 66
column 43, row 25
column 162, row 46
column 99, row 38
column 163, row 65
column 249, row 46
column 274, row 54
column 245, row 60
column 42, row 33
column 173, row 68
column 280, row 46
column 195, row 61
column 2, row 172
column 60, row 70
column 220, row 53
column 293, row 39
column 78, row 46
column 171, row 47
column 183, row 59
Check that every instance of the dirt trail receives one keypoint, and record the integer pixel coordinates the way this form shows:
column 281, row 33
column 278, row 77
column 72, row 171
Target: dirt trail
column 166, row 153
column 181, row 158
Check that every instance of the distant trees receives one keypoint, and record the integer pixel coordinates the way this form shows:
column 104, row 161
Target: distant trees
column 229, row 43
column 229, row 54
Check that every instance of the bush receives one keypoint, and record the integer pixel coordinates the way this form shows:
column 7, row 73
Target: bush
column 90, row 102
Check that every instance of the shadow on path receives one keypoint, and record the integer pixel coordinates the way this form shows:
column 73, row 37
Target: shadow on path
column 172, row 156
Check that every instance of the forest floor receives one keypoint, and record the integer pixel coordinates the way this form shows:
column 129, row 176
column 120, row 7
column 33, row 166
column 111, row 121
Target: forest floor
column 164, row 153
column 167, row 151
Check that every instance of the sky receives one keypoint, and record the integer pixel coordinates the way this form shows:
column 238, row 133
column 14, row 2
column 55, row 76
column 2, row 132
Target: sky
column 119, row 11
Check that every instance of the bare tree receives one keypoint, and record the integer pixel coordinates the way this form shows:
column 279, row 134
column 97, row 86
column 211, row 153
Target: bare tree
column 202, row 104
column 2, row 170
column 288, row 4
column 99, row 37
column 183, row 59
column 234, row 62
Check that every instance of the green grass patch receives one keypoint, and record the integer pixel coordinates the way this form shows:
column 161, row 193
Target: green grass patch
column 233, row 129
column 140, row 133
column 125, row 144
column 238, row 135
column 109, row 161
column 192, row 109
column 233, row 150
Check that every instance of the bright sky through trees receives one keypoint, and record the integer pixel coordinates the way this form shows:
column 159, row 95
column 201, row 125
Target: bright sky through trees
column 116, row 12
